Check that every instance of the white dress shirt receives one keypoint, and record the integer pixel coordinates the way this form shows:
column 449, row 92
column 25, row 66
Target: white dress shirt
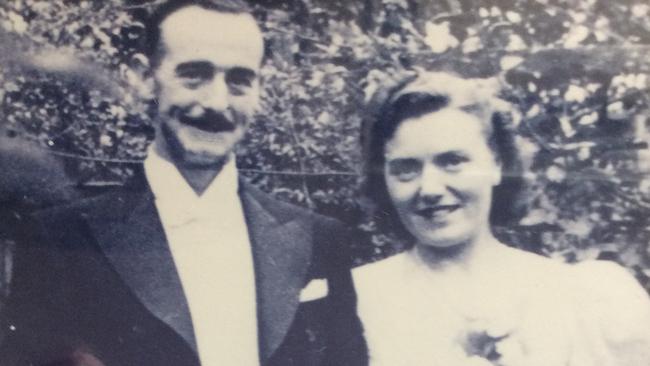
column 208, row 239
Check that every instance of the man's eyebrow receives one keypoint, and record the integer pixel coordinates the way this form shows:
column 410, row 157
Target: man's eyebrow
column 242, row 72
column 195, row 69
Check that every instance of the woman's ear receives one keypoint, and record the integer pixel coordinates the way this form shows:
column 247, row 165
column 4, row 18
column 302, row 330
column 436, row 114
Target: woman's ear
column 497, row 172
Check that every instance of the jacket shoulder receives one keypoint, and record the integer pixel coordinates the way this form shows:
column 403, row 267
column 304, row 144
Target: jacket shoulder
column 331, row 239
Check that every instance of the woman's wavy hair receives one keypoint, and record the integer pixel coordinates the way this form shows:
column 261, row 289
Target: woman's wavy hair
column 426, row 93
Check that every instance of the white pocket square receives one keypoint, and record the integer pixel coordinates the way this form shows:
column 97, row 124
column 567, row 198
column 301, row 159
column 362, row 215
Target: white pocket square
column 314, row 290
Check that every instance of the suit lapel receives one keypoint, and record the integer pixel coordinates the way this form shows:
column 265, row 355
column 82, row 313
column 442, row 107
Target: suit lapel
column 128, row 230
column 131, row 236
column 282, row 247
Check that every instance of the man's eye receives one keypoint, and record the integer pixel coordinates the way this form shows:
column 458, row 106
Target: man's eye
column 405, row 169
column 451, row 160
column 240, row 77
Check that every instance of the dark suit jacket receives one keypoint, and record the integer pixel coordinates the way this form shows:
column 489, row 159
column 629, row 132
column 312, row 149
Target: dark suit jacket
column 99, row 281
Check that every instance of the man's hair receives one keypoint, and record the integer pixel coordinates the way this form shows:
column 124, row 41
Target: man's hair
column 429, row 93
column 152, row 36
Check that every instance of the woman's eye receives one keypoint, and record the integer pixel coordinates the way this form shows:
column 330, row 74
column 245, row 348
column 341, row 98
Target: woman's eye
column 405, row 169
column 451, row 160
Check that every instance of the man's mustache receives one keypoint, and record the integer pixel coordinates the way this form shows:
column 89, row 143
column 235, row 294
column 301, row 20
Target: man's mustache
column 210, row 120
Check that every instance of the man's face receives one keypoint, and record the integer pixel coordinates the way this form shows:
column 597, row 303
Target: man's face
column 206, row 82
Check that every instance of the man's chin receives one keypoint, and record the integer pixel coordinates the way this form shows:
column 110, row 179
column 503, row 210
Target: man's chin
column 202, row 159
column 190, row 152
column 189, row 156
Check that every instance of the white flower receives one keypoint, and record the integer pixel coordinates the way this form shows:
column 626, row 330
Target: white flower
column 601, row 36
column 509, row 62
column 616, row 110
column 584, row 153
column 588, row 119
column 101, row 35
column 316, row 78
column 630, row 80
column 324, row 118
column 338, row 85
column 555, row 173
column 640, row 10
column 118, row 111
column 580, row 228
column 567, row 128
column 439, row 38
column 601, row 22
column 515, row 43
column 593, row 87
column 576, row 35
column 618, row 80
column 6, row 25
column 526, row 147
column 106, row 140
column 641, row 81
column 17, row 22
column 575, row 94
column 535, row 217
column 513, row 17
column 579, row 17
column 471, row 44
column 533, row 111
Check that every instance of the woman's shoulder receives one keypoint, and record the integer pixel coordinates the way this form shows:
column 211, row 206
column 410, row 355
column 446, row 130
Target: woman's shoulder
column 593, row 279
column 607, row 278
column 612, row 304
column 603, row 299
column 613, row 294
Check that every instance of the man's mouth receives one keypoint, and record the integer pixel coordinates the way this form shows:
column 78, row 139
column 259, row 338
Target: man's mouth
column 214, row 123
column 437, row 211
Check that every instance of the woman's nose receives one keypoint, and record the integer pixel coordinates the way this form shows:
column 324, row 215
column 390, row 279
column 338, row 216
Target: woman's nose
column 432, row 182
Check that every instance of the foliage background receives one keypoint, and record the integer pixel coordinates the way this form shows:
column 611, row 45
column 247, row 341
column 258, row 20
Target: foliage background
column 576, row 72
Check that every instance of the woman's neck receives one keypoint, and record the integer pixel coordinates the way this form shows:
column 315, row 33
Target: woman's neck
column 466, row 256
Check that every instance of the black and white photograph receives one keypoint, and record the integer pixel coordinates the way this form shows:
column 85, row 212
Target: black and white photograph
column 324, row 183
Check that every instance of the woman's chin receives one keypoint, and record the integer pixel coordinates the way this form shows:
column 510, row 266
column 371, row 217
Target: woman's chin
column 443, row 246
column 443, row 238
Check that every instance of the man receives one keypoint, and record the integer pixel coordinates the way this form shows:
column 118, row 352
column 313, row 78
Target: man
column 187, row 265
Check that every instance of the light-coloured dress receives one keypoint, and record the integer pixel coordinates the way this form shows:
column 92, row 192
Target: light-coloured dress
column 533, row 310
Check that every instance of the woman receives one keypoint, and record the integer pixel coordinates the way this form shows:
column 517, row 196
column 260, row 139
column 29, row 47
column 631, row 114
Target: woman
column 438, row 157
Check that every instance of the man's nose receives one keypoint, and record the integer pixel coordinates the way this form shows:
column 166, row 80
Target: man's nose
column 215, row 94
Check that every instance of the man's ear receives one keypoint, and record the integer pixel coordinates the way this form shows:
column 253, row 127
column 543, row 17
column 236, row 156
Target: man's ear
column 140, row 76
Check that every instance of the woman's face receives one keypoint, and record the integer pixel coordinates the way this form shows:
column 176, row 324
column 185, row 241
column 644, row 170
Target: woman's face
column 439, row 173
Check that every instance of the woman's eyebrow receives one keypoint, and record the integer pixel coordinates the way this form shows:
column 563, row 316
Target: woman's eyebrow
column 451, row 152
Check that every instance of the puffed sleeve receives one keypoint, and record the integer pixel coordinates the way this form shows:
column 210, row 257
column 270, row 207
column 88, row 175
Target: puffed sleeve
column 615, row 316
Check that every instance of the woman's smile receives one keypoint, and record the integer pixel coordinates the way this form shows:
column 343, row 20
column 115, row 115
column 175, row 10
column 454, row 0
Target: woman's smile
column 437, row 213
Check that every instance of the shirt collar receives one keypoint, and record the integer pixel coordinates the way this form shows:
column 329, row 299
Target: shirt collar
column 176, row 197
